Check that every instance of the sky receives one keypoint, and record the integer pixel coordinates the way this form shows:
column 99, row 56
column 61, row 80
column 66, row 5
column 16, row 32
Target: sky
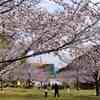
column 48, row 59
column 51, row 7
column 95, row 0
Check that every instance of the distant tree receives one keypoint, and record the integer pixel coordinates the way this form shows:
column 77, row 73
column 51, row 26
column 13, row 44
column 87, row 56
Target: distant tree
column 88, row 62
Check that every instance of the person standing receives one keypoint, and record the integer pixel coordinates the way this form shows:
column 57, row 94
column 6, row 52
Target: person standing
column 56, row 90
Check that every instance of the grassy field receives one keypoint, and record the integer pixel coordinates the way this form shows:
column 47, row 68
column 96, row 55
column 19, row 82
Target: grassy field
column 35, row 94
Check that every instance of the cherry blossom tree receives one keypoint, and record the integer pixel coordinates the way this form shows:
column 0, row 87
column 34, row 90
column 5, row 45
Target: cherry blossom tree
column 47, row 33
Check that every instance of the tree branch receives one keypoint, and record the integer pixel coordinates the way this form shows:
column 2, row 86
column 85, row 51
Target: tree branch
column 12, row 7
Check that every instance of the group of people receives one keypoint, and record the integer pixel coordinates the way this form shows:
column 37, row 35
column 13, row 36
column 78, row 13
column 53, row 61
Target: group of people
column 56, row 90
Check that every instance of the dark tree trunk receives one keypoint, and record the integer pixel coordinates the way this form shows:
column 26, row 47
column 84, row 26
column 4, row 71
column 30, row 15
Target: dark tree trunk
column 98, row 83
column 77, row 81
column 1, row 84
column 97, row 87
column 77, row 86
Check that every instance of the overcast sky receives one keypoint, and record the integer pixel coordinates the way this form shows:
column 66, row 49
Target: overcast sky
column 51, row 7
column 48, row 58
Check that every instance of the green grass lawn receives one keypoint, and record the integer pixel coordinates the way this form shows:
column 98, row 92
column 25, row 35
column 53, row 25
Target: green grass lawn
column 36, row 94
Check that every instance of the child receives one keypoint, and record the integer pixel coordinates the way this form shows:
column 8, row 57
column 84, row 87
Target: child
column 46, row 92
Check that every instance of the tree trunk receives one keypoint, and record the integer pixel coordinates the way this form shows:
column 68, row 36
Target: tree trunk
column 77, row 81
column 97, row 87
column 77, row 84
column 1, row 84
column 98, row 84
